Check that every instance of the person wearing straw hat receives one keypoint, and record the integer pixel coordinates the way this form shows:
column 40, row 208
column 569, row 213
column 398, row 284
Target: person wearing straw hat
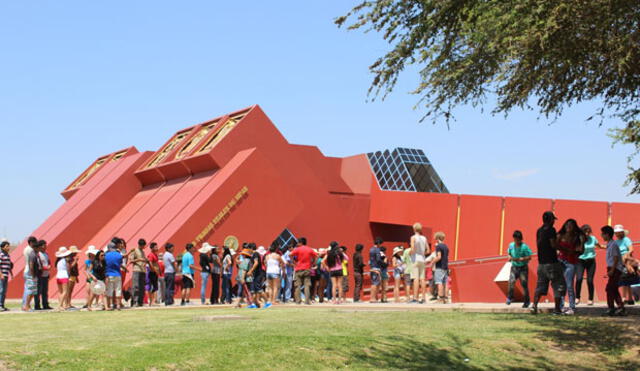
column 88, row 267
column 74, row 273
column 62, row 277
column 188, row 270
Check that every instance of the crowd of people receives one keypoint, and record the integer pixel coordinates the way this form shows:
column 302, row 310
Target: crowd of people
column 252, row 276
column 256, row 277
column 565, row 256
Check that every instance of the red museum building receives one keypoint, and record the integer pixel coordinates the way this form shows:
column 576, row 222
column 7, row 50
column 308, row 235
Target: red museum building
column 236, row 178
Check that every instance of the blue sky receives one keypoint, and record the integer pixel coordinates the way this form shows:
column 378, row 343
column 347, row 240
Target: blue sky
column 82, row 79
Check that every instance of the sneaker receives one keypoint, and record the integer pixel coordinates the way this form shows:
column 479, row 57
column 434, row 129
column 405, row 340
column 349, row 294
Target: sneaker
column 569, row 312
column 267, row 305
column 433, row 298
column 421, row 302
column 508, row 302
column 526, row 305
column 252, row 306
column 630, row 302
column 556, row 313
column 620, row 312
column 183, row 304
column 609, row 313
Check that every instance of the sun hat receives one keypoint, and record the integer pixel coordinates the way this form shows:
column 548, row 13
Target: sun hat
column 91, row 250
column 232, row 252
column 205, row 248
column 74, row 249
column 261, row 250
column 397, row 250
column 618, row 228
column 62, row 252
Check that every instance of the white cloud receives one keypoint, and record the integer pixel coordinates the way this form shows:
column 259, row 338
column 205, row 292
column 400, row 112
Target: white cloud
column 515, row 175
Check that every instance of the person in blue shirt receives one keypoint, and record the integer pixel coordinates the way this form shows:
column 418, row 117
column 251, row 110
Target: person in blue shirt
column 519, row 256
column 113, row 261
column 188, row 269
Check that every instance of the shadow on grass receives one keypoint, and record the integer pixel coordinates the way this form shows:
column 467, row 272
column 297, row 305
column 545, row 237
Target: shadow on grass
column 407, row 353
column 607, row 336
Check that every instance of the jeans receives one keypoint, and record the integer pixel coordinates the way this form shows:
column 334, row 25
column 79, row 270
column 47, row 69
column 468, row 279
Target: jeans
column 303, row 278
column 288, row 285
column 25, row 275
column 203, row 285
column 569, row 275
column 162, row 289
column 521, row 273
column 4, row 285
column 226, row 288
column 138, row 288
column 590, row 266
column 43, row 293
column 613, row 294
column 169, row 281
column 357, row 276
column 215, row 288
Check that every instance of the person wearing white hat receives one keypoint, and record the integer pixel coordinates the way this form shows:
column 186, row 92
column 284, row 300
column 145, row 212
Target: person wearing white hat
column 398, row 272
column 62, row 277
column 626, row 251
column 205, row 269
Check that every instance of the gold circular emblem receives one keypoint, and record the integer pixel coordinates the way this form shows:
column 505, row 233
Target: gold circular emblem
column 231, row 242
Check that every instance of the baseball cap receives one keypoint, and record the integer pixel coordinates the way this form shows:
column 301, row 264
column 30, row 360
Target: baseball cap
column 618, row 228
column 548, row 216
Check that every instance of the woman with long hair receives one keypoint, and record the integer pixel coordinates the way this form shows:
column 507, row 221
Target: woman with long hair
column 74, row 273
column 333, row 263
column 62, row 277
column 398, row 273
column 98, row 274
column 275, row 265
column 587, row 263
column 571, row 244
column 91, row 255
column 323, row 274
column 227, row 272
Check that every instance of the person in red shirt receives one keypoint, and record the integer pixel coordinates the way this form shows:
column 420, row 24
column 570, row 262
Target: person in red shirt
column 304, row 256
column 154, row 272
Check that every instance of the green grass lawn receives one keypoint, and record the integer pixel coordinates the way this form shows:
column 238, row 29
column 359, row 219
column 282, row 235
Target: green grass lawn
column 315, row 338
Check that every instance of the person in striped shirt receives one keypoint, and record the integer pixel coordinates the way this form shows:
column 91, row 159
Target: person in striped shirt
column 6, row 267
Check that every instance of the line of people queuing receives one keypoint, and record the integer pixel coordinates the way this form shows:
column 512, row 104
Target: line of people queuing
column 565, row 256
column 263, row 277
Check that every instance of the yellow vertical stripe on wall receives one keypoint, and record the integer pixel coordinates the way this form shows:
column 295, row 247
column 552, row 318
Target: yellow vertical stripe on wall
column 455, row 254
column 502, row 227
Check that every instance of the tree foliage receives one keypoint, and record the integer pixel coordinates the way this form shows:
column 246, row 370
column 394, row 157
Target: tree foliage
column 541, row 55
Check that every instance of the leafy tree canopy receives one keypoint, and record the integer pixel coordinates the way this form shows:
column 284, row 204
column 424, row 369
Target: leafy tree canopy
column 541, row 55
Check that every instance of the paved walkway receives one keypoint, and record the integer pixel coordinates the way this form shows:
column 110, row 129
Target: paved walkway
column 597, row 309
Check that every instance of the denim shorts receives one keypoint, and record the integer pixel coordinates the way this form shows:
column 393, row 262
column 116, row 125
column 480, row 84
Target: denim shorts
column 375, row 278
column 273, row 276
column 440, row 276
